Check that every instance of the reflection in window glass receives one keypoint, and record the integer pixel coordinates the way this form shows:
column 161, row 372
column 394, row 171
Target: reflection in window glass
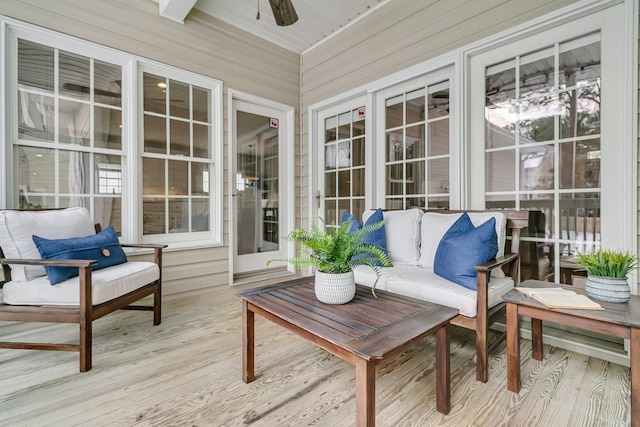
column 417, row 161
column 549, row 119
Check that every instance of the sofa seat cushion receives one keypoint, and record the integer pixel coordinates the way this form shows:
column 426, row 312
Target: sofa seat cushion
column 402, row 228
column 424, row 284
column 18, row 227
column 107, row 284
column 364, row 275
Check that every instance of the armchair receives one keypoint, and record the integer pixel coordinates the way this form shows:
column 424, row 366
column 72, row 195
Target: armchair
column 28, row 295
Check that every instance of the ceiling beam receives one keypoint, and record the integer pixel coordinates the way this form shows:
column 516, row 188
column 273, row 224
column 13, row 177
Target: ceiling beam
column 176, row 10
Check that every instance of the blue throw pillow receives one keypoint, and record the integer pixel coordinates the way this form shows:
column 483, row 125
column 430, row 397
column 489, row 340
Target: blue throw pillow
column 377, row 238
column 103, row 247
column 463, row 247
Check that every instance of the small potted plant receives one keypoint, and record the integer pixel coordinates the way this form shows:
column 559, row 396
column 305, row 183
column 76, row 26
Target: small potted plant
column 335, row 254
column 607, row 273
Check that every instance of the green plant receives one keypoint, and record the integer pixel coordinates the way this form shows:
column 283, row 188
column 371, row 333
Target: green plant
column 337, row 251
column 608, row 263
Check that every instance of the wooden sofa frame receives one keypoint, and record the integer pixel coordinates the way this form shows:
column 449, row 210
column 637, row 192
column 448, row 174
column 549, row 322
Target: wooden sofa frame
column 485, row 317
column 85, row 313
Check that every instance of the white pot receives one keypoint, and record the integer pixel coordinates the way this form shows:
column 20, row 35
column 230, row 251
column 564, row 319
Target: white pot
column 335, row 288
column 609, row 289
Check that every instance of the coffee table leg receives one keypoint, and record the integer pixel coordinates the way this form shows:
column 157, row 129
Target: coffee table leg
column 513, row 348
column 536, row 338
column 443, row 369
column 365, row 393
column 248, row 352
column 635, row 376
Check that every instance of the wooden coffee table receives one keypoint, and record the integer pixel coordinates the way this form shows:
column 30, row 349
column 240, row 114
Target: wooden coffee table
column 618, row 320
column 364, row 332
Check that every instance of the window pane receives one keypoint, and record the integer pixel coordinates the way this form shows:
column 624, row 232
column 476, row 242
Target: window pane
column 439, row 176
column 579, row 64
column 155, row 93
column 537, row 119
column 73, row 169
column 200, row 216
column 500, row 111
column 108, row 83
column 178, row 99
column 201, row 102
column 36, row 116
column 395, row 146
column 580, row 164
column 201, row 141
column 178, row 216
column 580, row 217
column 415, row 181
column 36, row 172
column 580, row 112
column 330, row 184
column 439, row 137
column 155, row 134
column 357, row 182
column 500, row 171
column 180, row 137
column 395, row 180
column 394, row 112
column 178, row 177
column 537, row 168
column 74, row 122
column 108, row 211
column 74, row 74
column 330, row 212
column 344, row 183
column 153, row 176
column 344, row 126
column 415, row 143
column 153, row 220
column 438, row 103
column 415, row 106
column 35, row 65
column 199, row 178
column 107, row 128
column 357, row 152
column 536, row 74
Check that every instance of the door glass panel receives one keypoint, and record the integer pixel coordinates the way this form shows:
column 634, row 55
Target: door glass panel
column 417, row 162
column 344, row 165
column 549, row 119
column 257, row 180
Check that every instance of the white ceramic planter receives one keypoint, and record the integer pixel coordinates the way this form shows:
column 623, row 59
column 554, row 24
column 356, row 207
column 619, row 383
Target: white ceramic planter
column 335, row 288
column 609, row 289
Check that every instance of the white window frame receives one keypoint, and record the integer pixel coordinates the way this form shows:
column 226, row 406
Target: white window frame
column 11, row 29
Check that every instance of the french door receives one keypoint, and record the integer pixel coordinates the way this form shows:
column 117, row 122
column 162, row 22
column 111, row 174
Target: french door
column 260, row 202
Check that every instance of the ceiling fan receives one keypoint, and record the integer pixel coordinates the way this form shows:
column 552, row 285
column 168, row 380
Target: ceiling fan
column 283, row 12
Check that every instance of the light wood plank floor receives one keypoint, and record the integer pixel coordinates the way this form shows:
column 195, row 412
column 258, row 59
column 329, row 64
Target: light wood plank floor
column 187, row 371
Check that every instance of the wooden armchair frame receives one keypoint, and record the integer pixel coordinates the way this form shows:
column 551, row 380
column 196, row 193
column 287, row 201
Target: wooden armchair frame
column 85, row 313
column 485, row 316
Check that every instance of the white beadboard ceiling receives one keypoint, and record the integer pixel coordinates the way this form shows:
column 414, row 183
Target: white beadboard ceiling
column 318, row 19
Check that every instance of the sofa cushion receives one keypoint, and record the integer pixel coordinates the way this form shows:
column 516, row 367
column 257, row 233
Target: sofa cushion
column 377, row 237
column 425, row 284
column 103, row 247
column 402, row 229
column 463, row 247
column 106, row 284
column 364, row 275
column 17, row 227
column 435, row 225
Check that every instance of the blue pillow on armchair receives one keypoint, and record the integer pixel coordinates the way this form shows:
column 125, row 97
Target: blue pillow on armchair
column 103, row 247
column 463, row 247
column 377, row 238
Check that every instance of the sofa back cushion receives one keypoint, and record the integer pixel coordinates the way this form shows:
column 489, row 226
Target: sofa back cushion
column 435, row 225
column 402, row 228
column 18, row 227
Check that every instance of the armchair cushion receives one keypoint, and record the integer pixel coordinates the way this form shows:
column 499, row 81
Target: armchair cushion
column 18, row 227
column 103, row 247
column 106, row 284
column 463, row 247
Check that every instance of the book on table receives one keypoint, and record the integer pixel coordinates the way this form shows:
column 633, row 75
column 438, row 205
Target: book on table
column 561, row 298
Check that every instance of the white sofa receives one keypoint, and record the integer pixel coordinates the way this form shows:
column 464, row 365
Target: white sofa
column 413, row 236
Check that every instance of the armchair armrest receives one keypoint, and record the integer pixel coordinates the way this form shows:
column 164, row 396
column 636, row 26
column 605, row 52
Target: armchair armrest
column 157, row 250
column 80, row 263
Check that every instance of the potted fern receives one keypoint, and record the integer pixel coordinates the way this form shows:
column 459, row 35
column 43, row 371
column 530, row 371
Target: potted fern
column 607, row 274
column 334, row 255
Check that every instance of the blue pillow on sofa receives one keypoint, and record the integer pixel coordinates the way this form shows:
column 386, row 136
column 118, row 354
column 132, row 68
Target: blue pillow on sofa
column 377, row 238
column 463, row 247
column 103, row 247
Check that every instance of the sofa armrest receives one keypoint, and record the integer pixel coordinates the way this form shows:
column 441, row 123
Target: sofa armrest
column 495, row 263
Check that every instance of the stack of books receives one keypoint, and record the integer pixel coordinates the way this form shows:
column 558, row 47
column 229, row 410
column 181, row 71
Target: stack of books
column 560, row 298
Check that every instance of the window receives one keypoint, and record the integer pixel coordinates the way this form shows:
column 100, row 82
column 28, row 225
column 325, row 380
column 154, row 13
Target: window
column 177, row 156
column 69, row 124
column 74, row 141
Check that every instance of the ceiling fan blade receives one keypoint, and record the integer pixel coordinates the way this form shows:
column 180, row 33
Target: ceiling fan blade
column 283, row 12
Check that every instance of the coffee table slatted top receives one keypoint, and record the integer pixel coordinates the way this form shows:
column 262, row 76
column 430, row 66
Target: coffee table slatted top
column 370, row 327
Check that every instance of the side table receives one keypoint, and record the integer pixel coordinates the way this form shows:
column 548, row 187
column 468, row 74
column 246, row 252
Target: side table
column 618, row 320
